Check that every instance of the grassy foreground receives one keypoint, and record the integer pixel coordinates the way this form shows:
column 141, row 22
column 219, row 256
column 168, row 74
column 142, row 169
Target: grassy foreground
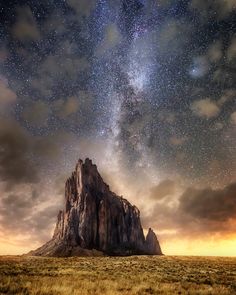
column 137, row 275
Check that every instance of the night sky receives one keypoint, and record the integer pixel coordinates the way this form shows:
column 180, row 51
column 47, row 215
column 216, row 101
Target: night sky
column 146, row 89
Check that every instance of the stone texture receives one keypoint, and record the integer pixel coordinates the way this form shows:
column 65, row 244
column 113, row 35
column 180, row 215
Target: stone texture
column 151, row 244
column 95, row 221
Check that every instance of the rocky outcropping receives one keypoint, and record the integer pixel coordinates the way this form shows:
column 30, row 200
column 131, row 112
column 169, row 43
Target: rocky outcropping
column 96, row 221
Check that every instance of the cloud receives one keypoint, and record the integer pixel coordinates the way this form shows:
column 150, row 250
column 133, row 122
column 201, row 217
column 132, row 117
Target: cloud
column 177, row 141
column 217, row 126
column 166, row 116
column 18, row 206
column 196, row 212
column 36, row 113
column 23, row 156
column 43, row 84
column 7, row 96
column 27, row 211
column 227, row 95
column 66, row 108
column 83, row 8
column 231, row 52
column 163, row 189
column 61, row 66
column 208, row 108
column 205, row 108
column 223, row 76
column 233, row 118
column 25, row 28
column 173, row 37
column 163, row 3
column 15, row 147
column 54, row 23
column 215, row 8
column 31, row 194
column 111, row 38
column 215, row 51
column 82, row 102
column 208, row 204
column 64, row 67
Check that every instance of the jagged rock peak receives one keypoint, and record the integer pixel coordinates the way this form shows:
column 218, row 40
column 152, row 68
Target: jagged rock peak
column 96, row 219
column 152, row 244
column 85, row 177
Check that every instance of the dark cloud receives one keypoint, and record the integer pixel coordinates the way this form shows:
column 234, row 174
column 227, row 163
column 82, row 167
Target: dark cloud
column 15, row 207
column 199, row 212
column 15, row 150
column 20, row 213
column 208, row 204
column 22, row 155
column 25, row 27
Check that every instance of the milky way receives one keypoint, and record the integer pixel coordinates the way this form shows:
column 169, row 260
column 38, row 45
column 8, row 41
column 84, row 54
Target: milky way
column 145, row 88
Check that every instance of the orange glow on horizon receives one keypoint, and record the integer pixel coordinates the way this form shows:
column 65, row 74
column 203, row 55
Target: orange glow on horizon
column 201, row 247
column 186, row 246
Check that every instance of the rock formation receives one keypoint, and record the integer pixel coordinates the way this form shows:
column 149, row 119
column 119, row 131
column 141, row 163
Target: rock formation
column 96, row 221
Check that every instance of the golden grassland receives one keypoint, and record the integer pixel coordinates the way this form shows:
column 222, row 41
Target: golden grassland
column 135, row 275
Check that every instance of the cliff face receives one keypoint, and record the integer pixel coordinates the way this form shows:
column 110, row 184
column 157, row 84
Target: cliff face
column 96, row 218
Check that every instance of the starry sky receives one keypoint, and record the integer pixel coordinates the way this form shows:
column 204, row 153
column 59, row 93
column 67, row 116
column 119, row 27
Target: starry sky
column 146, row 89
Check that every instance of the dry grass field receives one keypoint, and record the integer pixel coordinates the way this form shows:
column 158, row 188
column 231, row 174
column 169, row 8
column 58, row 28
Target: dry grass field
column 137, row 275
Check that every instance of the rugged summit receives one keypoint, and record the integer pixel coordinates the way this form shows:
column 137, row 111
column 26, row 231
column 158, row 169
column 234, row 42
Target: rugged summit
column 97, row 221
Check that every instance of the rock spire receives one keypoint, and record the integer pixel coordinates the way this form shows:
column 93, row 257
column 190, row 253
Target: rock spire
column 95, row 221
